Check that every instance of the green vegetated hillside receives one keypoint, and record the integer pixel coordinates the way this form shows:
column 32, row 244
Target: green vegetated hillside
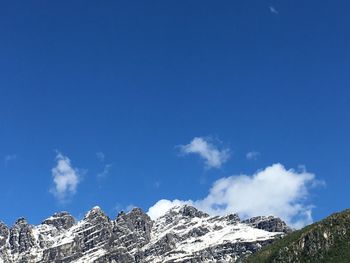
column 324, row 241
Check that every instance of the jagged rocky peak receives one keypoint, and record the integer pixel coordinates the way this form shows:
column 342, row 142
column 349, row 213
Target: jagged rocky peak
column 186, row 234
column 141, row 221
column 137, row 211
column 139, row 218
column 60, row 220
column 183, row 234
column 4, row 233
column 134, row 215
column 136, row 221
column 186, row 211
column 21, row 222
column 21, row 236
column 268, row 223
column 233, row 218
column 96, row 213
column 191, row 211
column 179, row 215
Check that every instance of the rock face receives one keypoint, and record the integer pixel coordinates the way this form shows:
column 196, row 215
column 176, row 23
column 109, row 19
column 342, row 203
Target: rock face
column 21, row 236
column 4, row 234
column 322, row 242
column 268, row 223
column 183, row 234
column 61, row 220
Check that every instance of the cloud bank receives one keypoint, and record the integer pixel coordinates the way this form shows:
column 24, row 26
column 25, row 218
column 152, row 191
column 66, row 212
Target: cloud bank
column 213, row 157
column 273, row 191
column 65, row 178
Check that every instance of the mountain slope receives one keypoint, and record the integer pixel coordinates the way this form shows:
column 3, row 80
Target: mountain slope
column 183, row 234
column 324, row 241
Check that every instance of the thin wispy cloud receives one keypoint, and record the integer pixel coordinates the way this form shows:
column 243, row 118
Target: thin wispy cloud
column 106, row 168
column 273, row 10
column 65, row 178
column 157, row 184
column 253, row 155
column 273, row 191
column 100, row 156
column 105, row 171
column 9, row 158
column 210, row 153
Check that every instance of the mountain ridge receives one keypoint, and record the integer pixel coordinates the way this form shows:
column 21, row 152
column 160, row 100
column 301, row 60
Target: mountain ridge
column 183, row 234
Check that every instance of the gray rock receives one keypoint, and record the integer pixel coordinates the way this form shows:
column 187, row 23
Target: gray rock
column 269, row 223
column 61, row 220
column 190, row 211
column 21, row 236
column 183, row 234
column 4, row 234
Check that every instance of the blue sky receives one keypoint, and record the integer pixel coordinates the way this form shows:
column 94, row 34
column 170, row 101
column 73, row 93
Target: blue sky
column 120, row 91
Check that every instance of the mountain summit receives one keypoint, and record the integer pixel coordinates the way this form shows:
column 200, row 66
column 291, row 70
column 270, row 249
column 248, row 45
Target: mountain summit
column 183, row 234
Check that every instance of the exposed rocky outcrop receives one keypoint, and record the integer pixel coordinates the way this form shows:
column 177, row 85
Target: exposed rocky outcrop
column 183, row 234
column 268, row 223
column 4, row 234
column 21, row 237
column 62, row 220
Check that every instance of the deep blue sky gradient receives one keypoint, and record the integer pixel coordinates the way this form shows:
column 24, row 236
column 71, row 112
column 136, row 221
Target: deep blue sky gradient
column 133, row 79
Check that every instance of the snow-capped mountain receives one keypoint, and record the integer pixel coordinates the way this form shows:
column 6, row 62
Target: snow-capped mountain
column 183, row 234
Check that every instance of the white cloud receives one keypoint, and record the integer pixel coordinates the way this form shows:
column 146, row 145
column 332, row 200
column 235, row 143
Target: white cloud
column 105, row 171
column 100, row 156
column 213, row 157
column 65, row 177
column 273, row 191
column 253, row 155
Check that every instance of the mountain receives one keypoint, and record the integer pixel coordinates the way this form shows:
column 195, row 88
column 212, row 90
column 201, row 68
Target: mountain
column 324, row 241
column 183, row 234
